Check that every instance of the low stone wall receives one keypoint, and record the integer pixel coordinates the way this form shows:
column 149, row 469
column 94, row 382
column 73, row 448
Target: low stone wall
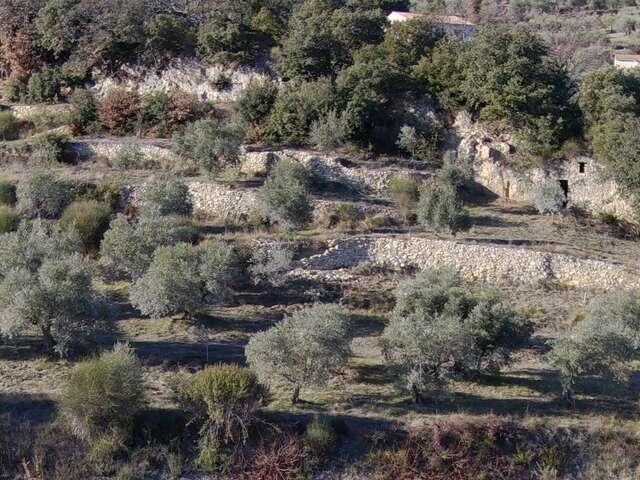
column 491, row 264
column 329, row 167
column 156, row 152
column 27, row 112
column 237, row 205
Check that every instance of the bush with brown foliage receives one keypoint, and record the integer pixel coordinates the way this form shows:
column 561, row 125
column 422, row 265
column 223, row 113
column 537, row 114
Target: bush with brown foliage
column 281, row 460
column 469, row 450
column 119, row 111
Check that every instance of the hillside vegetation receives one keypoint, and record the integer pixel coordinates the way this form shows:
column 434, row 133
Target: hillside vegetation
column 242, row 239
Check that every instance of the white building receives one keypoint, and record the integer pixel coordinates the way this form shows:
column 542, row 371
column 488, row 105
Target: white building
column 623, row 60
column 452, row 25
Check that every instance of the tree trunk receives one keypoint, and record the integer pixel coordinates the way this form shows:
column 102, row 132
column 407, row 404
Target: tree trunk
column 295, row 398
column 47, row 339
column 415, row 395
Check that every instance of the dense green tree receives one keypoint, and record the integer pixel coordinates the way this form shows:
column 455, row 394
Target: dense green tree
column 295, row 110
column 43, row 194
column 311, row 49
column 406, row 43
column 256, row 102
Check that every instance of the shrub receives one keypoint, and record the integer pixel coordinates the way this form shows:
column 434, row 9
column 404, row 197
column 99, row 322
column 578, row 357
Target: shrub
column 283, row 458
column 440, row 208
column 320, row 438
column 163, row 112
column 284, row 198
column 9, row 219
column 128, row 157
column 306, row 348
column 103, row 395
column 603, row 343
column 84, row 110
column 42, row 194
column 223, row 400
column 328, row 132
column 184, row 278
column 9, row 126
column 7, row 193
column 404, row 192
column 439, row 328
column 43, row 86
column 222, row 82
column 209, row 145
column 128, row 246
column 90, row 219
column 47, row 149
column 345, row 216
column 549, row 197
column 119, row 111
column 164, row 195
column 270, row 265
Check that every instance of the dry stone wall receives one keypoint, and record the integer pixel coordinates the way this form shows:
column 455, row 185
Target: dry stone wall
column 27, row 112
column 491, row 264
column 328, row 167
column 186, row 75
column 156, row 152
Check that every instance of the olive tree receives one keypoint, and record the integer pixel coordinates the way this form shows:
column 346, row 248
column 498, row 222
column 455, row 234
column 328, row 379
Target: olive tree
column 43, row 194
column 164, row 195
column 184, row 279
column 549, row 197
column 209, row 145
column 284, row 198
column 440, row 208
column 307, row 348
column 270, row 264
column 603, row 343
column 57, row 299
column 439, row 328
column 128, row 246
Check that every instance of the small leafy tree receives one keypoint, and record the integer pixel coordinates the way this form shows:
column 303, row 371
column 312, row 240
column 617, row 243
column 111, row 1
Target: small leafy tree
column 439, row 328
column 223, row 400
column 603, row 343
column 440, row 208
column 164, row 195
column 128, row 246
column 284, row 198
column 9, row 219
column 184, row 278
column 42, row 194
column 328, row 132
column 84, row 111
column 305, row 349
column 408, row 140
column 404, row 192
column 209, row 144
column 549, row 197
column 103, row 395
column 270, row 264
column 7, row 193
